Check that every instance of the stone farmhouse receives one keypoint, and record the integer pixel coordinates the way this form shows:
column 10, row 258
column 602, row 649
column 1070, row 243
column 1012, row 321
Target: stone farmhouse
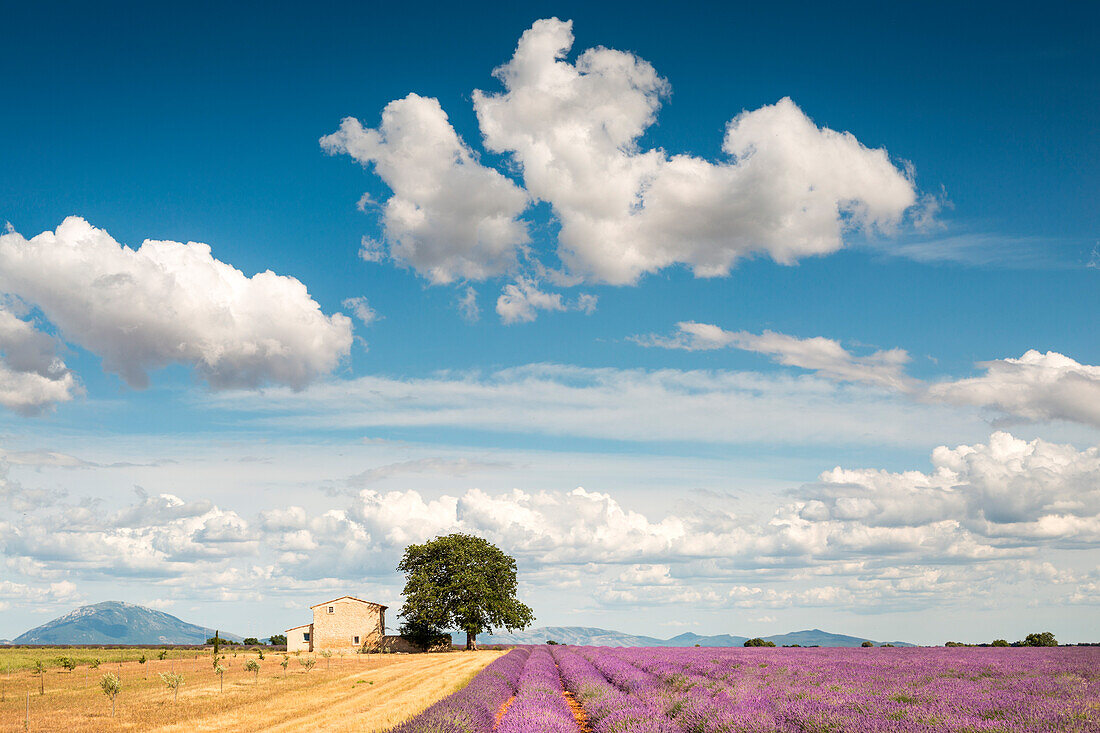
column 346, row 624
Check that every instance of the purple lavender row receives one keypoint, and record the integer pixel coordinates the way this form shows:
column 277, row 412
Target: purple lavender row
column 540, row 705
column 474, row 708
column 879, row 690
column 701, row 704
column 617, row 698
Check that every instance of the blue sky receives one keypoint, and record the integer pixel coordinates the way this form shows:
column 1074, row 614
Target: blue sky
column 877, row 297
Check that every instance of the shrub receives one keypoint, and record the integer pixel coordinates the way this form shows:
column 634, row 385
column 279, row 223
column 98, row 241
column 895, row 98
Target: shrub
column 141, row 659
column 172, row 682
column 285, row 661
column 999, row 642
column 40, row 670
column 67, row 662
column 111, row 686
column 251, row 641
column 886, row 644
column 327, row 654
column 261, row 653
column 254, row 667
column 759, row 642
column 307, row 662
column 94, row 664
column 220, row 671
column 867, row 644
column 162, row 654
column 277, row 639
column 954, row 643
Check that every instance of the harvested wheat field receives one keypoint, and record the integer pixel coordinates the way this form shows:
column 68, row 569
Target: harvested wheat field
column 357, row 692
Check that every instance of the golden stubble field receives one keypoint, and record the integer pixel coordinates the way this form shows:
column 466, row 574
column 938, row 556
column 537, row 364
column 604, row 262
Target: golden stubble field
column 356, row 692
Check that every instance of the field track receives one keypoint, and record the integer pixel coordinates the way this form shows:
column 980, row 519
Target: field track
column 363, row 693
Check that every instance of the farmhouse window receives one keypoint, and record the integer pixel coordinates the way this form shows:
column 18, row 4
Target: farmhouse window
column 355, row 640
column 305, row 636
column 331, row 610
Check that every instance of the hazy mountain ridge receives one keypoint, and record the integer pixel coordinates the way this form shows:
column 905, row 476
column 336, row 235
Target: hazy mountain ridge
column 592, row 636
column 116, row 622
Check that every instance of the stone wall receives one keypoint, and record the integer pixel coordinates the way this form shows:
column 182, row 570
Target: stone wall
column 349, row 619
column 393, row 644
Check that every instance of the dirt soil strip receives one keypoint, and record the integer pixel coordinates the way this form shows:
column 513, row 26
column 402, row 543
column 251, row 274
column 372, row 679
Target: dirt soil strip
column 503, row 709
column 583, row 723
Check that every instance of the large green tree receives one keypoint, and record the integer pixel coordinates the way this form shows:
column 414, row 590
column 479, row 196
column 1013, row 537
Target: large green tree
column 459, row 581
column 1044, row 638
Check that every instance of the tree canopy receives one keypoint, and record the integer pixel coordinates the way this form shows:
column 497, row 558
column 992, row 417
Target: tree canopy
column 1044, row 638
column 459, row 581
column 758, row 642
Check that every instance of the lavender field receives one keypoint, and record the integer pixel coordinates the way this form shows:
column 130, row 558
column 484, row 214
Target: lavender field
column 607, row 690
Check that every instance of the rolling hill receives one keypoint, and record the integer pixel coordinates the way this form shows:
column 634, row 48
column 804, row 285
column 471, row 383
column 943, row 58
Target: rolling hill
column 115, row 622
column 590, row 636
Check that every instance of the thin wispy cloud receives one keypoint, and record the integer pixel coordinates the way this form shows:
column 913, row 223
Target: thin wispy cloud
column 1036, row 386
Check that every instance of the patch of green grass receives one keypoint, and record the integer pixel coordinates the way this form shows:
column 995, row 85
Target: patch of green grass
column 904, row 697
column 16, row 659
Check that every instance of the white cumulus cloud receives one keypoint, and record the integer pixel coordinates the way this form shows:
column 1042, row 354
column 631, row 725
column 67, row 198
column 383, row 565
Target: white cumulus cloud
column 361, row 309
column 449, row 217
column 520, row 302
column 169, row 302
column 787, row 188
column 1036, row 386
column 32, row 377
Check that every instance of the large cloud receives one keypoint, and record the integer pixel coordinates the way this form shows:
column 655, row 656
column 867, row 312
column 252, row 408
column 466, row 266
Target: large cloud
column 449, row 217
column 788, row 188
column 998, row 504
column 1004, row 513
column 169, row 302
column 785, row 187
column 1006, row 488
column 32, row 376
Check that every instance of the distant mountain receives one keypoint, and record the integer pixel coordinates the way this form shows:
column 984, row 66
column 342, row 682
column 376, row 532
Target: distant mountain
column 817, row 637
column 590, row 636
column 690, row 639
column 115, row 622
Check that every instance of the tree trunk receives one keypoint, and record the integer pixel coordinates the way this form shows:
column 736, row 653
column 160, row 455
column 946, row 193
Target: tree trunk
column 471, row 642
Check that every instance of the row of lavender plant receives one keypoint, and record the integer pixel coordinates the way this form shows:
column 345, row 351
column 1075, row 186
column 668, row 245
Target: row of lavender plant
column 617, row 697
column 878, row 690
column 540, row 705
column 474, row 708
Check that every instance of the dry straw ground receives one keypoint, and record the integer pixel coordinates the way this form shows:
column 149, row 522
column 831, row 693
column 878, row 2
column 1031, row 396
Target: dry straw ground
column 358, row 692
